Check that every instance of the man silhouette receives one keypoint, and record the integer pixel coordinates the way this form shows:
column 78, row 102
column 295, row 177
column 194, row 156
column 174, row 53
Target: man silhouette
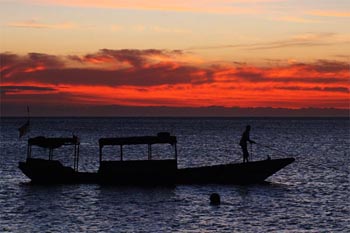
column 243, row 143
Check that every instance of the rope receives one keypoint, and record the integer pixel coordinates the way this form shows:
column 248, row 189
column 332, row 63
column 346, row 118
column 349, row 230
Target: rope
column 271, row 148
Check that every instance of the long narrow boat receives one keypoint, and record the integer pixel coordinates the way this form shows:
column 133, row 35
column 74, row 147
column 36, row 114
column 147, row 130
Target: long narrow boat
column 140, row 172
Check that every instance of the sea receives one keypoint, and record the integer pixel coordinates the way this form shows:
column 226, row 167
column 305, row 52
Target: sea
column 310, row 195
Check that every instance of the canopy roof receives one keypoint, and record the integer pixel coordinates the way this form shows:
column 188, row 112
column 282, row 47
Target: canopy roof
column 52, row 142
column 161, row 138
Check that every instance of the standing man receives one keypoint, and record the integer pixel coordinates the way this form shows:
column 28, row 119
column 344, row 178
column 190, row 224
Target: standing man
column 243, row 143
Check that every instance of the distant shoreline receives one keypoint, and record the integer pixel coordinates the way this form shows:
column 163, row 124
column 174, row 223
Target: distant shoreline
column 186, row 117
column 169, row 112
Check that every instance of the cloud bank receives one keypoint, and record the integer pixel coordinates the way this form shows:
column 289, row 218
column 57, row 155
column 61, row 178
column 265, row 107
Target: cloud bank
column 153, row 77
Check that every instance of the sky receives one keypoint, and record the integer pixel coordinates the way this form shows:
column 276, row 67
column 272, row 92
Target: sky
column 94, row 54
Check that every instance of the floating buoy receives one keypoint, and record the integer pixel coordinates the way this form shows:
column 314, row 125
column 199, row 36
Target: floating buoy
column 215, row 199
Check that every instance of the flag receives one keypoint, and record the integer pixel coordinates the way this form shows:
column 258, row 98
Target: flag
column 24, row 129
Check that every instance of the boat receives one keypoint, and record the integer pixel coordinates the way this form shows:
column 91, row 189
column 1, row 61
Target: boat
column 148, row 171
column 46, row 171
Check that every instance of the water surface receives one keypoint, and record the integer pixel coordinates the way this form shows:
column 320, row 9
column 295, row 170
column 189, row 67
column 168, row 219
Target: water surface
column 310, row 195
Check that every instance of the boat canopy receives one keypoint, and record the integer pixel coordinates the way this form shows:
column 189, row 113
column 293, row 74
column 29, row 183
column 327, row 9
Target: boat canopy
column 161, row 138
column 52, row 143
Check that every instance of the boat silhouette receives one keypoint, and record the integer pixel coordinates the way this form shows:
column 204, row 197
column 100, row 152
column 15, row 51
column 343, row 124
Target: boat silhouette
column 139, row 172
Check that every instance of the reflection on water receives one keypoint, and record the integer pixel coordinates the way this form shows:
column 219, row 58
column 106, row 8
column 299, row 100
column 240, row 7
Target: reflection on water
column 310, row 195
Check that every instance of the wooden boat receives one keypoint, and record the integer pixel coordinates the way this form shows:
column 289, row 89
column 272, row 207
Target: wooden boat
column 140, row 172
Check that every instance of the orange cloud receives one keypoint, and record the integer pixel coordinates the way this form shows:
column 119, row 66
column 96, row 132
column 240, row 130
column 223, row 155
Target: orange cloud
column 38, row 25
column 156, row 78
column 33, row 69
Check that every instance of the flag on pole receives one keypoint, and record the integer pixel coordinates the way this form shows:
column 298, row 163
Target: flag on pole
column 26, row 127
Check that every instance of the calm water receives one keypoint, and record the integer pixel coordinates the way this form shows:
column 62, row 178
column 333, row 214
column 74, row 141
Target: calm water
column 310, row 195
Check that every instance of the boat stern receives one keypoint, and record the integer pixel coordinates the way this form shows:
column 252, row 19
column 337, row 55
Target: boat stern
column 46, row 171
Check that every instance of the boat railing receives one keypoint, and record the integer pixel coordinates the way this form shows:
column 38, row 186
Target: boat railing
column 161, row 138
column 54, row 143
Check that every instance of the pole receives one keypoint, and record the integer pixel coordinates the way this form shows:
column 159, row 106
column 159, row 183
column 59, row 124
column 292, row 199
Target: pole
column 274, row 149
column 100, row 154
column 28, row 151
column 175, row 152
column 251, row 151
column 75, row 157
column 78, row 157
column 149, row 152
column 28, row 119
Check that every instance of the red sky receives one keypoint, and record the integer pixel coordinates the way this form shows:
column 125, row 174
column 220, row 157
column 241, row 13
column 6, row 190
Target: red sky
column 169, row 78
column 230, row 53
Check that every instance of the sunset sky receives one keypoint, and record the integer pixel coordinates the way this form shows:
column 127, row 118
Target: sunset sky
column 231, row 53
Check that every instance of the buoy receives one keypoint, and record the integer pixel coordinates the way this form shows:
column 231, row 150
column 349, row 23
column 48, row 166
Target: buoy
column 214, row 199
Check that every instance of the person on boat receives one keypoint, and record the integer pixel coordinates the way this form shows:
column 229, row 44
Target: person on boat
column 243, row 143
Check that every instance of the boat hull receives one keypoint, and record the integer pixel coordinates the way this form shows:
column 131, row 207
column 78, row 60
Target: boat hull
column 138, row 172
column 42, row 171
column 53, row 172
column 239, row 173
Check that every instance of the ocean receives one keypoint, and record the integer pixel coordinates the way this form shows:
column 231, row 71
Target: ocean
column 310, row 195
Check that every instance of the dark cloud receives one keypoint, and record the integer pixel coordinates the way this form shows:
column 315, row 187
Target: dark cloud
column 134, row 57
column 148, row 76
column 49, row 61
column 7, row 59
column 321, row 71
column 17, row 61
column 75, row 58
column 326, row 89
column 10, row 89
column 40, row 99
column 336, row 89
column 318, row 79
column 263, row 76
column 330, row 66
column 238, row 63
column 256, row 77
column 250, row 76
column 49, row 69
column 147, row 71
column 12, row 63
